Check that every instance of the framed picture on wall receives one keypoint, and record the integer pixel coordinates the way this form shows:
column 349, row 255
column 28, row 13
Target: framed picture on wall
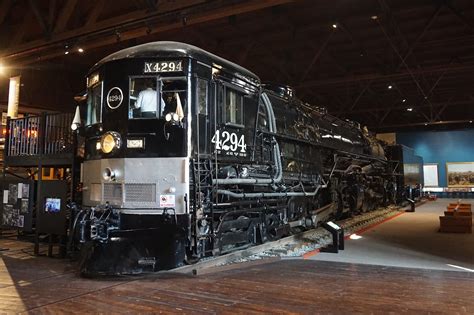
column 460, row 174
column 430, row 174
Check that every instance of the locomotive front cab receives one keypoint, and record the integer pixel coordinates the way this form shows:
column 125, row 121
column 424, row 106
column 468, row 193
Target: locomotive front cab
column 136, row 136
column 157, row 114
column 136, row 166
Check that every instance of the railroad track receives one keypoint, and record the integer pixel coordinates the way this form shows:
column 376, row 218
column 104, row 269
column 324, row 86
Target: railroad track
column 295, row 245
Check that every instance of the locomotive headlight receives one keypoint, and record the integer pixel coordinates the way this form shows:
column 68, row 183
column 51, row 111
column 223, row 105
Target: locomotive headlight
column 168, row 117
column 175, row 117
column 110, row 142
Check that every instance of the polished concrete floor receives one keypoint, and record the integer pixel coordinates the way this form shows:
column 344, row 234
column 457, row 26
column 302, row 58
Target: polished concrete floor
column 411, row 240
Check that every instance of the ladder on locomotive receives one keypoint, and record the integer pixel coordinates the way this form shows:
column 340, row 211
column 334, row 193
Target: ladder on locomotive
column 203, row 171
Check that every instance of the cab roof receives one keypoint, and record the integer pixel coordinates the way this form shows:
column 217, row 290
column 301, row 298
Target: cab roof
column 175, row 49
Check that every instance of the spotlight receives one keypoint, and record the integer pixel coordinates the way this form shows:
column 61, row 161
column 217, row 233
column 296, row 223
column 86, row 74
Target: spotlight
column 80, row 50
column 409, row 109
column 389, row 87
column 404, row 100
column 334, row 25
column 66, row 52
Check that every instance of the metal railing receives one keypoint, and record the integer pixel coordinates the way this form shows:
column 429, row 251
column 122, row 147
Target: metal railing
column 48, row 134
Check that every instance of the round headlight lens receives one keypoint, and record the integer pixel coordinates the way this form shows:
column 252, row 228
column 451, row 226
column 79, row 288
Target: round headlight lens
column 175, row 117
column 110, row 141
column 168, row 117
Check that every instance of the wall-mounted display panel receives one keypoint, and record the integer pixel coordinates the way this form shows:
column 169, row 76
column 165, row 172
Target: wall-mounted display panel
column 413, row 173
column 430, row 173
column 460, row 174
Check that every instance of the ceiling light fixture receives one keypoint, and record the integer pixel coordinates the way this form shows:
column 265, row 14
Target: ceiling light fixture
column 374, row 17
column 334, row 25
column 80, row 50
column 389, row 86
column 404, row 100
column 66, row 52
column 409, row 109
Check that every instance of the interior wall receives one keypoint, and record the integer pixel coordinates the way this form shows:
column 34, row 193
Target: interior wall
column 441, row 147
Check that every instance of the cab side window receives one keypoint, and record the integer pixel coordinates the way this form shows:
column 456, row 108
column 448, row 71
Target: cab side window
column 233, row 107
column 202, row 92
column 94, row 104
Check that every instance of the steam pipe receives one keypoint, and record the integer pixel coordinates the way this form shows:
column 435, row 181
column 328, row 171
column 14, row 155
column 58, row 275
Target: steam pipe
column 265, row 194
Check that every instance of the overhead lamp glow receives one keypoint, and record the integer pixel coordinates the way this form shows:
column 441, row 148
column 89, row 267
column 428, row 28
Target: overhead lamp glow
column 374, row 17
column 80, row 50
column 470, row 121
column 334, row 25
column 409, row 109
column 66, row 52
column 404, row 100
column 426, row 124
column 389, row 87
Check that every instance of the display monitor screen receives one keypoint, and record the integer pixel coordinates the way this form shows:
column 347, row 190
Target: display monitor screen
column 52, row 205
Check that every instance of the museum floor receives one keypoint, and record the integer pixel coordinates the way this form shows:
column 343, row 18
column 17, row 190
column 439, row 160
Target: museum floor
column 411, row 240
column 366, row 283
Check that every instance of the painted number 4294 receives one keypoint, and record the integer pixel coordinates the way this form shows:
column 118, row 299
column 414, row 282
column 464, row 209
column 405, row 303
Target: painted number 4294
column 229, row 141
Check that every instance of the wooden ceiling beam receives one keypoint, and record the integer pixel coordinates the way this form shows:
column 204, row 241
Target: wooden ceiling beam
column 52, row 14
column 40, row 18
column 412, row 46
column 392, row 108
column 21, row 31
column 379, row 76
column 197, row 16
column 4, row 9
column 95, row 12
column 316, row 57
column 65, row 15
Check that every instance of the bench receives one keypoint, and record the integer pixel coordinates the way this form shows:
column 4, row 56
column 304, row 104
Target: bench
column 457, row 219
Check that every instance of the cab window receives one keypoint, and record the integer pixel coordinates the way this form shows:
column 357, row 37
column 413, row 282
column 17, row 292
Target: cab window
column 233, row 107
column 151, row 97
column 144, row 101
column 94, row 104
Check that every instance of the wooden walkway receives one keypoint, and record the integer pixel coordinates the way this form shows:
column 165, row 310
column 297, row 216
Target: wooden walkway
column 41, row 285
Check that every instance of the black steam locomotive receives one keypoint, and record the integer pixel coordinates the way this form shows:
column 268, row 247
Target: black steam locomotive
column 189, row 155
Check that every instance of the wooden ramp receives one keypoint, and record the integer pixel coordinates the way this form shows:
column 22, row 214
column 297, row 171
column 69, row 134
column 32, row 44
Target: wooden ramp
column 42, row 285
